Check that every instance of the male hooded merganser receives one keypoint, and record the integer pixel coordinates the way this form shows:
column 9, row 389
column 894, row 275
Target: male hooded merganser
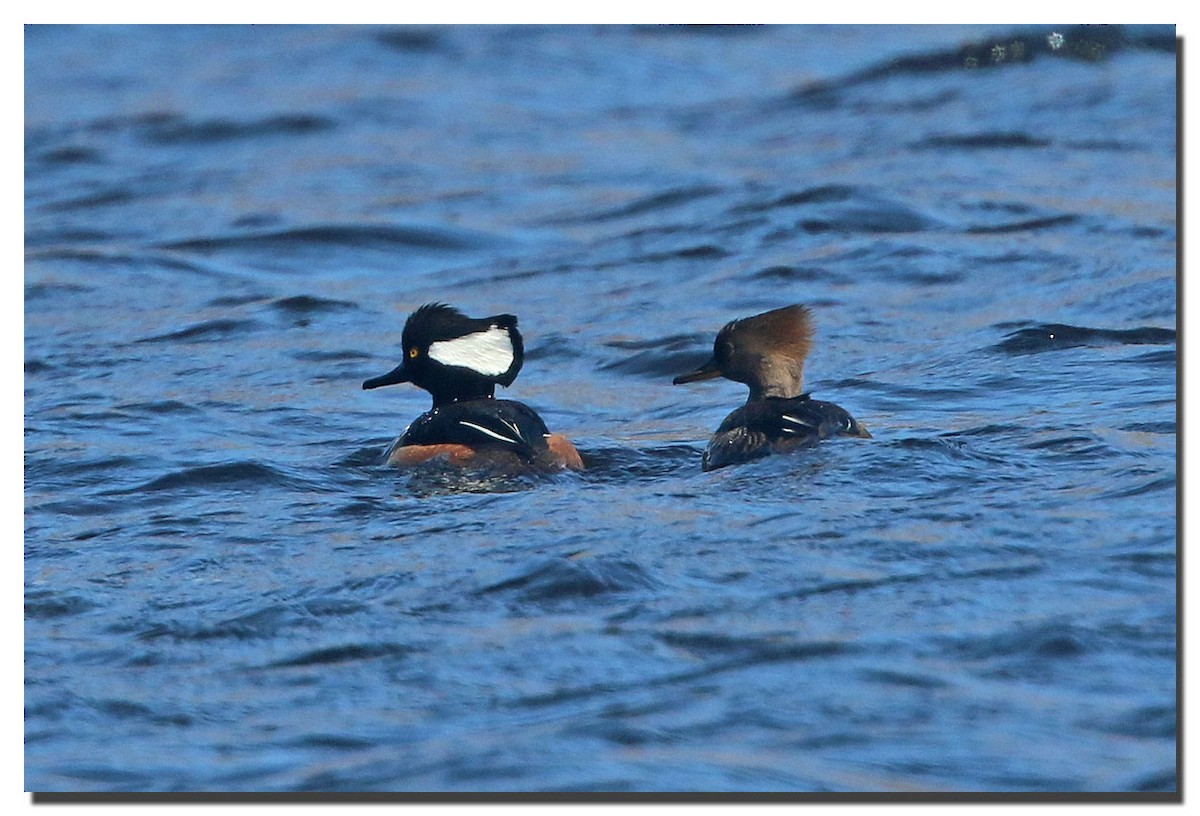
column 460, row 360
column 766, row 352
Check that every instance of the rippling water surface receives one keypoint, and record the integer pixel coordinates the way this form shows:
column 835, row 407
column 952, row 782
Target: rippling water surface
column 226, row 227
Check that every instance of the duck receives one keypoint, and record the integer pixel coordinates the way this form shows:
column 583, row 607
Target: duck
column 767, row 352
column 460, row 360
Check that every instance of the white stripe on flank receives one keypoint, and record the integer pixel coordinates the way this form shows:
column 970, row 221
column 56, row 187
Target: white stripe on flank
column 513, row 425
column 482, row 429
column 489, row 352
column 796, row 421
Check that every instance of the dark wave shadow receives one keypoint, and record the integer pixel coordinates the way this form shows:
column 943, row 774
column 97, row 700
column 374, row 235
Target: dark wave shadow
column 308, row 304
column 571, row 578
column 346, row 653
column 369, row 236
column 657, row 202
column 1056, row 336
column 208, row 330
column 175, row 130
column 761, row 651
column 412, row 39
column 267, row 622
column 844, row 208
column 1029, row 225
column 104, row 197
column 238, row 475
column 660, row 358
column 988, row 140
column 624, row 463
column 1081, row 43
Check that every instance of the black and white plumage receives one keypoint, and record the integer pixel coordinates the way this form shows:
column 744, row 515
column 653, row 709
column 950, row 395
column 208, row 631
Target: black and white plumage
column 511, row 426
column 455, row 357
column 776, row 425
column 460, row 360
column 767, row 353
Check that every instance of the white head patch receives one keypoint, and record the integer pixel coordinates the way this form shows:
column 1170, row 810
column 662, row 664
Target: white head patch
column 489, row 352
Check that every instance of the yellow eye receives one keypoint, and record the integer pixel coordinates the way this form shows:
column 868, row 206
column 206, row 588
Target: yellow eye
column 412, row 353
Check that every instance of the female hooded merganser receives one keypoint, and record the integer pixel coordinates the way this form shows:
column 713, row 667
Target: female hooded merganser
column 460, row 360
column 766, row 352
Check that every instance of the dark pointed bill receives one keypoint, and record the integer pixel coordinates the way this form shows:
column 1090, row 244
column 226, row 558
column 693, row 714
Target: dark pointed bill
column 705, row 372
column 396, row 375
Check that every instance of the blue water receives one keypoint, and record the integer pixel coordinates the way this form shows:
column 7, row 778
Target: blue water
column 226, row 227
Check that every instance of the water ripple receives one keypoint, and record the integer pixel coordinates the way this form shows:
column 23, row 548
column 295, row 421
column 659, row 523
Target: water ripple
column 1089, row 43
column 208, row 330
column 355, row 236
column 648, row 204
column 1056, row 336
column 980, row 141
column 48, row 604
column 168, row 129
column 239, row 475
column 308, row 304
column 570, row 578
column 1025, row 226
column 351, row 652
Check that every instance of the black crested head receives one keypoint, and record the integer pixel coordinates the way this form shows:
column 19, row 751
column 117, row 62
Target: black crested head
column 455, row 357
